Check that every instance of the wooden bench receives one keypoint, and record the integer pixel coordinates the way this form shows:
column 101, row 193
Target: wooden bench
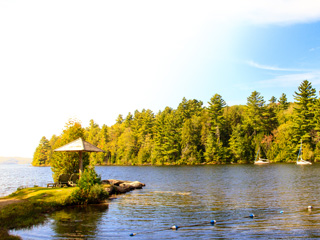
column 51, row 185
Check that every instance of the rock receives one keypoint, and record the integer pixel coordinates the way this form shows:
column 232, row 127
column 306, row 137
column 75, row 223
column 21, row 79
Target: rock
column 118, row 186
column 119, row 189
column 137, row 185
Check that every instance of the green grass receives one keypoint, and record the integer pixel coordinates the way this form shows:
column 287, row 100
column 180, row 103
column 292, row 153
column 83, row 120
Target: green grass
column 36, row 203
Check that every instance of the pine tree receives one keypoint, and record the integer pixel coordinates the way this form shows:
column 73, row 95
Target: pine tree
column 214, row 146
column 305, row 100
column 272, row 100
column 191, row 141
column 255, row 113
column 187, row 109
column 167, row 138
column 216, row 109
column 283, row 102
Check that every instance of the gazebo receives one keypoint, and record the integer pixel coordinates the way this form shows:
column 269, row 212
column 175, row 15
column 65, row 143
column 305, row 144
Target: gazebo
column 80, row 146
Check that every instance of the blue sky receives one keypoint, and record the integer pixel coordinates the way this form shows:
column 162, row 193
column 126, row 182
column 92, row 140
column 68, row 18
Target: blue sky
column 96, row 60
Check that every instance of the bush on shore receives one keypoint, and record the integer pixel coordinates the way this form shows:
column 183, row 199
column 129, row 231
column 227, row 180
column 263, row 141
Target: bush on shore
column 89, row 189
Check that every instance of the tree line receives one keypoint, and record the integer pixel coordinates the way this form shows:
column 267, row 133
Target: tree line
column 195, row 134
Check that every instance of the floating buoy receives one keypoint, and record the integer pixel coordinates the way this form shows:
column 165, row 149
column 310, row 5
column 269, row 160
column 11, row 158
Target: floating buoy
column 132, row 234
column 281, row 212
column 174, row 227
column 213, row 222
column 252, row 216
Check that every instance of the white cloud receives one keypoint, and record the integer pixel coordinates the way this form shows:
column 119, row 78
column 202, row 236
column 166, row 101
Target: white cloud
column 291, row 80
column 274, row 68
column 286, row 80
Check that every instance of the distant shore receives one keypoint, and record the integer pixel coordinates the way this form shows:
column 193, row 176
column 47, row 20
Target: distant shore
column 15, row 160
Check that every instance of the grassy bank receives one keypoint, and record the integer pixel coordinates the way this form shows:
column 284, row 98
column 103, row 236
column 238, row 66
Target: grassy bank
column 28, row 207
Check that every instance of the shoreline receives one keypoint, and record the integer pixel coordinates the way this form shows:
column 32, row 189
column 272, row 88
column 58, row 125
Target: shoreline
column 18, row 210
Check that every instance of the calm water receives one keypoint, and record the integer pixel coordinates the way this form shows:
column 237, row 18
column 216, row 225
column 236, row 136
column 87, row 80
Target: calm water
column 188, row 197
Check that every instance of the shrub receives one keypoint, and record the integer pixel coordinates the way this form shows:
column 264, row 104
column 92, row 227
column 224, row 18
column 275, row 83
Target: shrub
column 89, row 189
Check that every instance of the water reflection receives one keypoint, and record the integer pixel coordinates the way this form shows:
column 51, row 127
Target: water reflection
column 78, row 222
column 277, row 194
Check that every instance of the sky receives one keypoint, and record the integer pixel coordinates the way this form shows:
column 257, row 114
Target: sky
column 97, row 59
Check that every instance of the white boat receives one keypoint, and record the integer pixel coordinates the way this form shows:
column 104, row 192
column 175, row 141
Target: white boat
column 259, row 160
column 300, row 160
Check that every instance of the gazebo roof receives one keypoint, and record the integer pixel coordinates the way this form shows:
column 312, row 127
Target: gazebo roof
column 78, row 145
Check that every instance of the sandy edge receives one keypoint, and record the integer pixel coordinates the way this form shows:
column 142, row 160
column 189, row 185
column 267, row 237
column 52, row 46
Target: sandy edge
column 5, row 202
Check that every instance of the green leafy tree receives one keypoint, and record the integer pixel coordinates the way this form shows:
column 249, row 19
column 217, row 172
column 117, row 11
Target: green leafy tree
column 92, row 136
column 282, row 148
column 103, row 137
column 142, row 126
column 41, row 156
column 145, row 151
column 191, row 141
column 114, row 133
column 240, row 145
column 68, row 162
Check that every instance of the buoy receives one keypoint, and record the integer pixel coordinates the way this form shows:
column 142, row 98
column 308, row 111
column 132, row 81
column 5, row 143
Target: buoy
column 132, row 234
column 174, row 227
column 281, row 212
column 252, row 216
column 213, row 222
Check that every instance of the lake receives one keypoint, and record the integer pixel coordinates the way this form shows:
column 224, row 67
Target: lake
column 189, row 197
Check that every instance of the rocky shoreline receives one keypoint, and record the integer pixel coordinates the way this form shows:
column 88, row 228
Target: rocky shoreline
column 113, row 186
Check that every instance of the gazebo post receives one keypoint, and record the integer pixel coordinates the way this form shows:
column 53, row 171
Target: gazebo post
column 80, row 164
column 80, row 146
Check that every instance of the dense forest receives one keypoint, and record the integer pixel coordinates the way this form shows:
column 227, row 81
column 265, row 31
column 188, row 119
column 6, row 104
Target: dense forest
column 194, row 134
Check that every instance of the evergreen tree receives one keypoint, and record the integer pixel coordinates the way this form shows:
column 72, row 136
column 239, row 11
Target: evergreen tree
column 128, row 120
column 167, row 138
column 305, row 100
column 214, row 152
column 187, row 109
column 119, row 119
column 255, row 113
column 272, row 100
column 270, row 118
column 42, row 153
column 142, row 126
column 240, row 145
column 283, row 102
column 216, row 109
column 191, row 141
